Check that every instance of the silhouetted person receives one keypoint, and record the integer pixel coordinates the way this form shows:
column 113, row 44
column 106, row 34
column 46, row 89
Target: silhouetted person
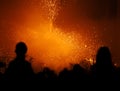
column 79, row 73
column 19, row 68
column 104, row 68
column 46, row 75
column 65, row 75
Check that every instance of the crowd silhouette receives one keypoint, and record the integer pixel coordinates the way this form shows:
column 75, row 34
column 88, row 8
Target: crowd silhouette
column 103, row 69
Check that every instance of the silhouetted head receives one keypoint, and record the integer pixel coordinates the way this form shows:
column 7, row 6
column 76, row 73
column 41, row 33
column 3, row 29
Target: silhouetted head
column 103, row 57
column 21, row 49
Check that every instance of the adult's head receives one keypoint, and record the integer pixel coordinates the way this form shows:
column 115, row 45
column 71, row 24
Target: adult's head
column 103, row 57
column 21, row 49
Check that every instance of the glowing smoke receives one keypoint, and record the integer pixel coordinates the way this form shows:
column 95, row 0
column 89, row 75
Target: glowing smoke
column 49, row 45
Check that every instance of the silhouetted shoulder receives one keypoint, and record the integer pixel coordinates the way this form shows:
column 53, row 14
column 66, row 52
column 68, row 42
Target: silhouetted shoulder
column 104, row 68
column 19, row 68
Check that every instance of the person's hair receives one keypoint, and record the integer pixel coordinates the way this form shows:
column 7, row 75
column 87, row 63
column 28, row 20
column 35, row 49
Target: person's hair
column 103, row 56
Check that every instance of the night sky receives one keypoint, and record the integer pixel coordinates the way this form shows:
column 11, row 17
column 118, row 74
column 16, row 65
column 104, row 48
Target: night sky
column 96, row 20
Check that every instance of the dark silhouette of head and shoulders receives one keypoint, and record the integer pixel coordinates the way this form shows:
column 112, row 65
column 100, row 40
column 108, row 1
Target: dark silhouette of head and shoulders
column 19, row 68
column 104, row 59
column 103, row 68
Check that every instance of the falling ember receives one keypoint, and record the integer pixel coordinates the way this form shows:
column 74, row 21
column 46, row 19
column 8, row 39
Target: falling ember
column 52, row 8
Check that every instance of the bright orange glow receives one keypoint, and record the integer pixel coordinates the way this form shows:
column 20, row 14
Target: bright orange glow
column 54, row 49
column 51, row 46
